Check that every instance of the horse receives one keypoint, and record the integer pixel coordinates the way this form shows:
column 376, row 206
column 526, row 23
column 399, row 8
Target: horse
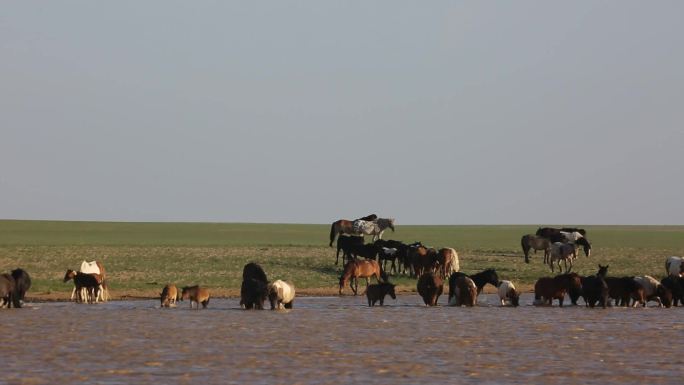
column 621, row 289
column 386, row 254
column 652, row 290
column 586, row 246
column 547, row 232
column 562, row 251
column 595, row 289
column 447, row 261
column 374, row 228
column 345, row 226
column 281, row 294
column 253, row 290
column 87, row 286
column 507, row 292
column 463, row 292
column 195, row 294
column 366, row 251
column 377, row 292
column 546, row 289
column 531, row 241
column 423, row 259
column 676, row 285
column 360, row 269
column 169, row 295
column 674, row 266
column 488, row 276
column 96, row 267
column 399, row 257
column 430, row 286
column 7, row 287
column 22, row 283
column 345, row 243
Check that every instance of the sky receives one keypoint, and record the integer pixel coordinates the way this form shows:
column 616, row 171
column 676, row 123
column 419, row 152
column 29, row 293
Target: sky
column 441, row 112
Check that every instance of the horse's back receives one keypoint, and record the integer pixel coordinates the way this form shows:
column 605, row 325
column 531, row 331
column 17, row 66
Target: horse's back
column 91, row 267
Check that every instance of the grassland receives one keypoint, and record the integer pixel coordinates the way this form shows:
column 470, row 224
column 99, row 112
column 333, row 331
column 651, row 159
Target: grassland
column 141, row 257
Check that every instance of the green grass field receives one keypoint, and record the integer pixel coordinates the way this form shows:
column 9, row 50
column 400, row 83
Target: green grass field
column 141, row 257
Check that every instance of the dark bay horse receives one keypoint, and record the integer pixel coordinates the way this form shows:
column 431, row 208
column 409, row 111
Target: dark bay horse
column 360, row 269
column 546, row 289
column 346, row 243
column 548, row 232
column 430, row 286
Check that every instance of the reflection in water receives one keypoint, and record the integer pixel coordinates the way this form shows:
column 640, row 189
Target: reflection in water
column 339, row 340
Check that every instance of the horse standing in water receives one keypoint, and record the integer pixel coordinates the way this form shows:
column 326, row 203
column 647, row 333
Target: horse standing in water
column 360, row 269
column 361, row 227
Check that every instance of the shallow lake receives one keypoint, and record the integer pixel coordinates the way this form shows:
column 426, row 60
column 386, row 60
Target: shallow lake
column 333, row 340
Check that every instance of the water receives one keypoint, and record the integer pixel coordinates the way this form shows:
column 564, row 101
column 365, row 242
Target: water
column 333, row 340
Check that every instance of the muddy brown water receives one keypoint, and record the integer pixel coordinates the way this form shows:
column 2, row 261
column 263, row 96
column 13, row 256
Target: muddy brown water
column 333, row 340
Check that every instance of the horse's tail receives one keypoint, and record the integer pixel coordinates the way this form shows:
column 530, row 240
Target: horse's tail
column 332, row 233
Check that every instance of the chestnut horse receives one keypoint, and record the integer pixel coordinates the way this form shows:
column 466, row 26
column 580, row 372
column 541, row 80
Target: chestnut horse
column 345, row 226
column 360, row 269
column 546, row 289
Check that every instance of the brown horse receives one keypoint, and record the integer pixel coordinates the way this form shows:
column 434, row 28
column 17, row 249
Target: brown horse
column 546, row 289
column 169, row 296
column 345, row 226
column 423, row 259
column 430, row 286
column 196, row 294
column 360, row 269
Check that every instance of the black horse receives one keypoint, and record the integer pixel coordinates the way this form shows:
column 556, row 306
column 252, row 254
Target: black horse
column 488, row 276
column 594, row 289
column 254, row 288
column 548, row 232
column 346, row 243
column 22, row 283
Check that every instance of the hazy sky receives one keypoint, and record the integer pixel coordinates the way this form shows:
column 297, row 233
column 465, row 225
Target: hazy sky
column 481, row 112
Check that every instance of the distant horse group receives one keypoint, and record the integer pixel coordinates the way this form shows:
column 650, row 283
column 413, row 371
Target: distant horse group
column 368, row 225
column 558, row 245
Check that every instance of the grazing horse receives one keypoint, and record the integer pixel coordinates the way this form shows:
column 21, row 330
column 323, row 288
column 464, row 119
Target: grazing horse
column 546, row 289
column 360, row 269
column 253, row 290
column 22, row 283
column 488, row 276
column 7, row 287
column 169, row 296
column 674, row 266
column 377, row 292
column 345, row 226
column 507, row 292
column 595, row 289
column 622, row 289
column 531, row 241
column 676, row 285
column 345, row 243
column 463, row 291
column 281, row 294
column 430, row 286
column 195, row 294
column 652, row 290
column 562, row 251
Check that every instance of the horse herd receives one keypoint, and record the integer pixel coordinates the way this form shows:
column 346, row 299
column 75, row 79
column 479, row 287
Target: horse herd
column 432, row 267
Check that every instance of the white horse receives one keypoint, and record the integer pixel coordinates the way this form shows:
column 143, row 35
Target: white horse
column 674, row 266
column 562, row 251
column 572, row 237
column 374, row 228
column 507, row 292
column 281, row 295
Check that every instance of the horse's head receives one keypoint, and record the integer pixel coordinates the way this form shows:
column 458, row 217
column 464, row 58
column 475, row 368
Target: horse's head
column 665, row 295
column 586, row 245
column 514, row 296
column 70, row 274
column 390, row 224
column 602, row 271
column 390, row 290
column 492, row 277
